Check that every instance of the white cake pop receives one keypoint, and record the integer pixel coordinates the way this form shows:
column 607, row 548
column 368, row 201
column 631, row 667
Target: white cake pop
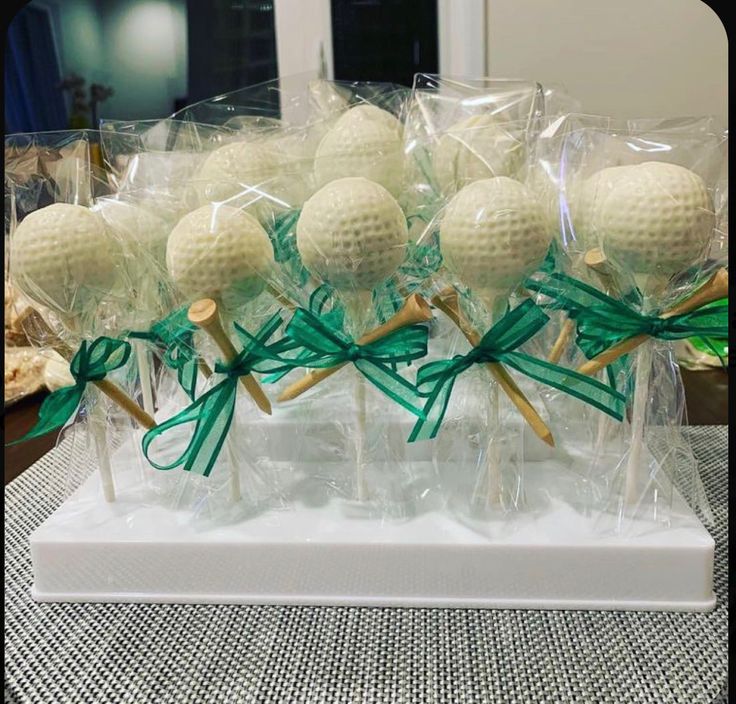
column 219, row 252
column 235, row 169
column 64, row 258
column 365, row 141
column 475, row 148
column 655, row 220
column 493, row 234
column 352, row 233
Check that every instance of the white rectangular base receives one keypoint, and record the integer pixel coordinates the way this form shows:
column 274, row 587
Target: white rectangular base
column 128, row 552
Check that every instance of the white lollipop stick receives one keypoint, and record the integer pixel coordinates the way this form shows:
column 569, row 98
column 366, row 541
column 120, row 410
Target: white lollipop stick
column 98, row 430
column 144, row 374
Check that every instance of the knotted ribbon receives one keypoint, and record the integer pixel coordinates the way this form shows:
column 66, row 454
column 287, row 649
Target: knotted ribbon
column 328, row 347
column 92, row 362
column 435, row 380
column 212, row 413
column 175, row 336
column 603, row 322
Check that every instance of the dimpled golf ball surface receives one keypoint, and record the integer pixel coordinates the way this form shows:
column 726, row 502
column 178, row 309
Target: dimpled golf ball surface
column 229, row 171
column 365, row 141
column 475, row 148
column 352, row 233
column 493, row 234
column 219, row 252
column 656, row 218
column 63, row 257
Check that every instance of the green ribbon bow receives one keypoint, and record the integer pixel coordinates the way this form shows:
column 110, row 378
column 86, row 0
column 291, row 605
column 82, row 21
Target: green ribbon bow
column 92, row 362
column 322, row 303
column 175, row 335
column 435, row 380
column 212, row 413
column 329, row 347
column 603, row 322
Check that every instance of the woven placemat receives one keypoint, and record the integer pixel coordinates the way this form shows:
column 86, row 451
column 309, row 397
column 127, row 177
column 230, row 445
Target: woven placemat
column 138, row 653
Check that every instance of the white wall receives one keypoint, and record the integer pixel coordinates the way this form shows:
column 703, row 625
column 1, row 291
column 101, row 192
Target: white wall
column 627, row 58
column 139, row 47
column 145, row 50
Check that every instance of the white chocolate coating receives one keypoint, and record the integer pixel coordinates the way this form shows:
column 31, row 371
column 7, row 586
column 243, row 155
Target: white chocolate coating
column 63, row 257
column 352, row 233
column 493, row 234
column 475, row 148
column 219, row 252
column 231, row 170
column 365, row 141
column 655, row 219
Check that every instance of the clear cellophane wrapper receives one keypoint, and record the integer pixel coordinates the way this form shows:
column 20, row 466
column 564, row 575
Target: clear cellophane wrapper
column 71, row 281
column 459, row 130
column 569, row 152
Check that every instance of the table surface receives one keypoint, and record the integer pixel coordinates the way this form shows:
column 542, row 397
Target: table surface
column 139, row 653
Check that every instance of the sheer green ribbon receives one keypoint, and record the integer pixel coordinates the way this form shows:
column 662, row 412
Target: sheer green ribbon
column 175, row 335
column 283, row 240
column 212, row 413
column 435, row 380
column 92, row 362
column 603, row 322
column 329, row 347
column 322, row 303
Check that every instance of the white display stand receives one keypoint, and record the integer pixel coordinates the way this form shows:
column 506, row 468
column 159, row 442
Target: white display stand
column 555, row 557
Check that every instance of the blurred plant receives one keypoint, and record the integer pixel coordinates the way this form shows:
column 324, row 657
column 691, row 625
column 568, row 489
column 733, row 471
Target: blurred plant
column 83, row 107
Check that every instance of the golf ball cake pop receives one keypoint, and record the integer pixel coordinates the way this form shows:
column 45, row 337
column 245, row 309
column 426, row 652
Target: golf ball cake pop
column 654, row 219
column 219, row 252
column 475, row 148
column 352, row 233
column 493, row 234
column 64, row 258
column 365, row 141
column 234, row 169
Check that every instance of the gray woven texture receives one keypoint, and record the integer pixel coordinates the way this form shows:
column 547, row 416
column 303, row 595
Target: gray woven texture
column 137, row 653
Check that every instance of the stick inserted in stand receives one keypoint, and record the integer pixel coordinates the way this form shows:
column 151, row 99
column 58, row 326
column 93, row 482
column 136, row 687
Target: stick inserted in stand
column 656, row 220
column 493, row 235
column 353, row 234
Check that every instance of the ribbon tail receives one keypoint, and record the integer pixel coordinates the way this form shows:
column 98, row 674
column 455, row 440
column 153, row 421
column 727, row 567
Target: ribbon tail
column 55, row 411
column 434, row 410
column 212, row 414
column 585, row 388
column 390, row 383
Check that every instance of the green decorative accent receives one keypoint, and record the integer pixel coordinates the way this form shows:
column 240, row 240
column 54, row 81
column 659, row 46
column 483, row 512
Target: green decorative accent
column 175, row 336
column 92, row 362
column 603, row 322
column 329, row 346
column 212, row 412
column 283, row 240
column 322, row 302
column 436, row 379
column 422, row 260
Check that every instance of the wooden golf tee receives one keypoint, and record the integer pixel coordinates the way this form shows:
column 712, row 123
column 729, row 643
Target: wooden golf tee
column 204, row 314
column 562, row 341
column 415, row 310
column 446, row 301
column 34, row 320
column 715, row 288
